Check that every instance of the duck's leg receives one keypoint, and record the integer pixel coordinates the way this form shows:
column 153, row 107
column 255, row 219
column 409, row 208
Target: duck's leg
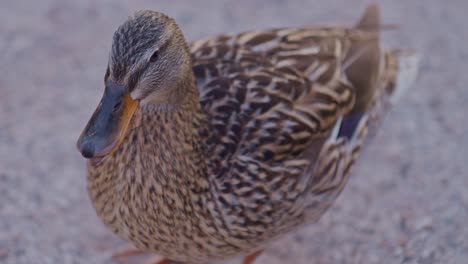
column 252, row 257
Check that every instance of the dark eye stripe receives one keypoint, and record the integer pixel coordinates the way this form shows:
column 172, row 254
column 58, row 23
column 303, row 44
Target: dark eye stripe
column 133, row 79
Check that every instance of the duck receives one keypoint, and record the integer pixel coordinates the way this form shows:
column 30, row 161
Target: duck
column 211, row 150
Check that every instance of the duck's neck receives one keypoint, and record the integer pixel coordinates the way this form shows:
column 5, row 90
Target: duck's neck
column 171, row 136
column 163, row 149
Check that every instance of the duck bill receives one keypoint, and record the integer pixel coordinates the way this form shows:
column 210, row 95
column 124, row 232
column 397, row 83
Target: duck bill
column 108, row 125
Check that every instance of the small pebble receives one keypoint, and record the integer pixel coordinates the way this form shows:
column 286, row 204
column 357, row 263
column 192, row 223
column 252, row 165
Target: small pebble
column 424, row 223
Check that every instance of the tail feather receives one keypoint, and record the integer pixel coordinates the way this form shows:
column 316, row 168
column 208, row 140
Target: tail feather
column 380, row 78
column 364, row 58
column 398, row 74
column 371, row 18
column 402, row 70
column 362, row 68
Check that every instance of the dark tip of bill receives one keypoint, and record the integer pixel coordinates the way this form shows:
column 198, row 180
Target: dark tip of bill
column 87, row 150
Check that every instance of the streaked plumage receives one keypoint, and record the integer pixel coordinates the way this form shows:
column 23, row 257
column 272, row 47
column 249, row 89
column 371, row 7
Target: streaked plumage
column 256, row 141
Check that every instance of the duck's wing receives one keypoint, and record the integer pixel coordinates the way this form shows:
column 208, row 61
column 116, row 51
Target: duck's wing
column 285, row 114
column 264, row 105
column 292, row 79
column 268, row 121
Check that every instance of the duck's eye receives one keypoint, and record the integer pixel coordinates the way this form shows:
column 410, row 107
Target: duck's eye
column 154, row 56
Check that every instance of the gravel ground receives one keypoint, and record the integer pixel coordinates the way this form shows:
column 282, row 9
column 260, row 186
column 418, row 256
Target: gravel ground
column 406, row 203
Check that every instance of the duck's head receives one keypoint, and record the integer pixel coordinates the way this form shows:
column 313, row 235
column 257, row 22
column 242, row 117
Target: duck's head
column 149, row 64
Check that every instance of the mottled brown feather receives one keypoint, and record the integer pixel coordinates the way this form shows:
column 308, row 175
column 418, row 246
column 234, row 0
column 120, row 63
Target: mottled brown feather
column 254, row 151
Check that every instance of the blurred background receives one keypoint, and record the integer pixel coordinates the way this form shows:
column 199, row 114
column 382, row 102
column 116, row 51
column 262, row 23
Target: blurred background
column 407, row 201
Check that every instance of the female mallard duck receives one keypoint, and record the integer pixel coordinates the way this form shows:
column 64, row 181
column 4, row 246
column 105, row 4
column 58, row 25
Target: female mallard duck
column 209, row 151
